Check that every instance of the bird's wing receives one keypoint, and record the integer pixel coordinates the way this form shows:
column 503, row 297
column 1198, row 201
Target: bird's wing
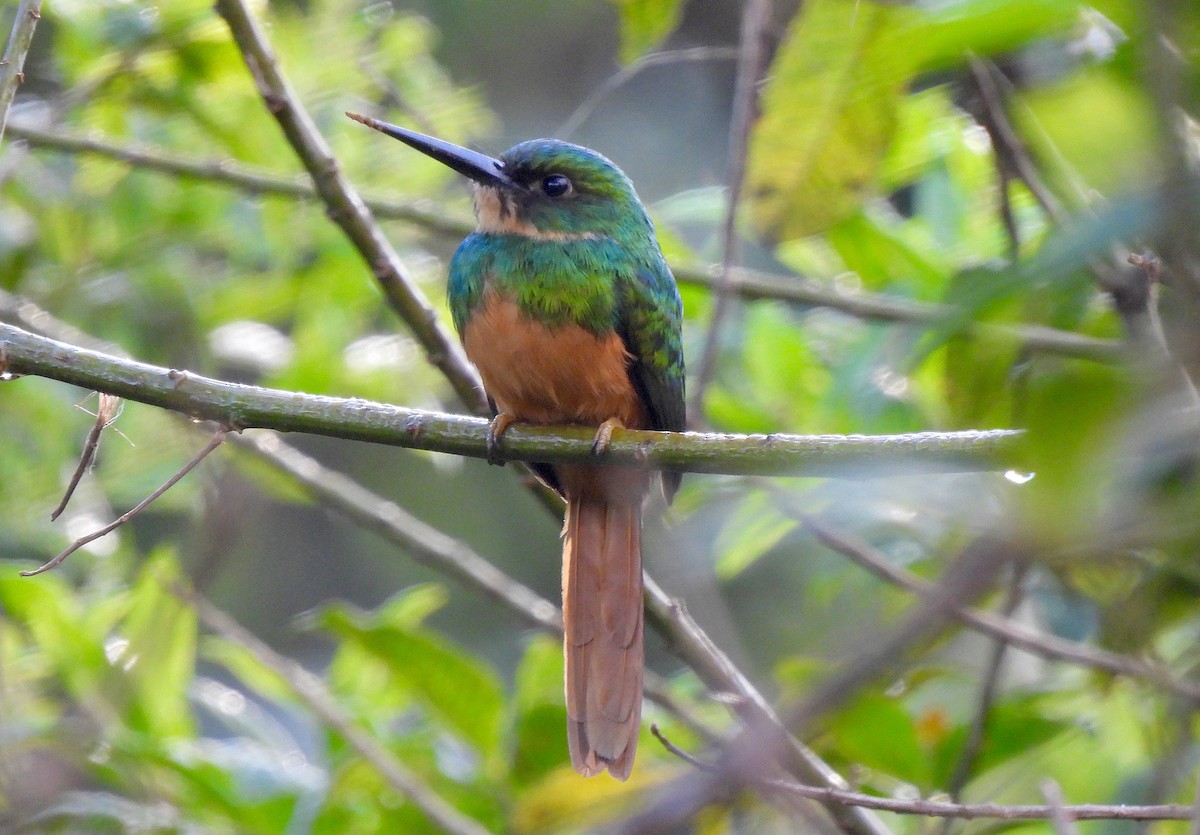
column 649, row 321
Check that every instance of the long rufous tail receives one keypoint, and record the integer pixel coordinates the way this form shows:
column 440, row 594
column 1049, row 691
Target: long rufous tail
column 602, row 614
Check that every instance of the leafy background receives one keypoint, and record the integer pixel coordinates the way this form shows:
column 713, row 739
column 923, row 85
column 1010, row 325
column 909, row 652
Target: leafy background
column 870, row 171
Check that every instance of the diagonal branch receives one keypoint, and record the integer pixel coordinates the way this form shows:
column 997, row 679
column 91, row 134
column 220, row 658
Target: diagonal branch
column 244, row 407
column 311, row 690
column 1001, row 628
column 347, row 209
column 12, row 67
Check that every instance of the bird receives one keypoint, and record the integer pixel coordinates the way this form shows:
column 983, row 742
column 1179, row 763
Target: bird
column 564, row 302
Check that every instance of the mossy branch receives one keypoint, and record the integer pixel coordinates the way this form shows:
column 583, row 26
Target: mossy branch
column 241, row 407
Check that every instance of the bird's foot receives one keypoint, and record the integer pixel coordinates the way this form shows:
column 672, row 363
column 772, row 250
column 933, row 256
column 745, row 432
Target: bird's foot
column 604, row 435
column 495, row 433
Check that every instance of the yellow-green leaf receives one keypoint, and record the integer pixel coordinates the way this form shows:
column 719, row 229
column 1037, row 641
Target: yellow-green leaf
column 644, row 24
column 829, row 110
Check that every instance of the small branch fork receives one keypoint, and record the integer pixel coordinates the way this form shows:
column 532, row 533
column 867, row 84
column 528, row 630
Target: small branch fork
column 1054, row 810
column 217, row 439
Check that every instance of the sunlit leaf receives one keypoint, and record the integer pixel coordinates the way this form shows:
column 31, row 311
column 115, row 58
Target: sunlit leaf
column 644, row 24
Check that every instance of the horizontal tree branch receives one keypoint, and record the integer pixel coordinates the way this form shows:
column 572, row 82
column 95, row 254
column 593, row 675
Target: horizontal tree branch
column 749, row 284
column 453, row 558
column 998, row 811
column 243, row 407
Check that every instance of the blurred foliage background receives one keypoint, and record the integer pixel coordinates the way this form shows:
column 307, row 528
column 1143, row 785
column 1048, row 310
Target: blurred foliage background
column 889, row 161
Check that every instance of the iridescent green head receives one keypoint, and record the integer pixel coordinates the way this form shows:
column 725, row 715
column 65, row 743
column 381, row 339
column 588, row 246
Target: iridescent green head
column 543, row 188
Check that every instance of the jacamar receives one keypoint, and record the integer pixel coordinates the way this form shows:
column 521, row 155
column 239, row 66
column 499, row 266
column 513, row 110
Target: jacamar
column 564, row 302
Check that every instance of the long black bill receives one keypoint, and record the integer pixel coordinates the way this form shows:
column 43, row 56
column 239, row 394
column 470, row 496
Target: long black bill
column 479, row 167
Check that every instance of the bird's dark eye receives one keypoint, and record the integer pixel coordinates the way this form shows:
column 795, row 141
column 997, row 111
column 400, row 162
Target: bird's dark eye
column 556, row 185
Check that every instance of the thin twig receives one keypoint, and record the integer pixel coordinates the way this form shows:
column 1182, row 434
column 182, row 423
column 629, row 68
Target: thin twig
column 626, row 73
column 1003, row 629
column 106, row 413
column 987, row 690
column 997, row 811
column 685, row 637
column 748, row 284
column 679, row 752
column 216, row 440
column 853, row 456
column 312, row 691
column 12, row 67
column 746, row 759
column 755, row 16
column 1194, row 829
column 1007, row 144
column 347, row 209
column 1062, row 820
column 229, row 173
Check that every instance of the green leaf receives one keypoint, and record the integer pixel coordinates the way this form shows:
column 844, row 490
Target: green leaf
column 160, row 657
column 754, row 527
column 882, row 256
column 451, row 684
column 879, row 733
column 829, row 111
column 949, row 32
column 644, row 24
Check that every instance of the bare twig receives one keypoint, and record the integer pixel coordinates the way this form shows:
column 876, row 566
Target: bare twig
column 998, row 811
column 746, row 760
column 854, row 456
column 987, row 690
column 346, row 207
column 685, row 637
column 106, row 413
column 1003, row 629
column 1007, row 145
column 1194, row 829
column 756, row 14
column 12, row 67
column 216, row 440
column 311, row 690
column 1062, row 820
column 679, row 752
column 749, row 284
column 626, row 73
column 229, row 173
column 457, row 560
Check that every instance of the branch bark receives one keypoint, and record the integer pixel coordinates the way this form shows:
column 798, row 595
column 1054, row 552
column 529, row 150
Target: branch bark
column 347, row 209
column 244, row 407
column 12, row 67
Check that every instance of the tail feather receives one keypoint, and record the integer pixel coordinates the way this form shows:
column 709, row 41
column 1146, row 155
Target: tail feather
column 603, row 616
